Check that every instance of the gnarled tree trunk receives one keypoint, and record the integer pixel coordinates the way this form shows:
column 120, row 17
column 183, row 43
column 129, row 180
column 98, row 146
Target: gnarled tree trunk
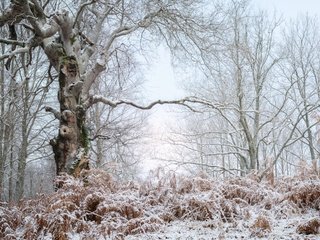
column 71, row 145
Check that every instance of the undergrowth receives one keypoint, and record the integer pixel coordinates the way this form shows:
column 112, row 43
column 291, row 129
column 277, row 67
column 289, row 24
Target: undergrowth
column 97, row 206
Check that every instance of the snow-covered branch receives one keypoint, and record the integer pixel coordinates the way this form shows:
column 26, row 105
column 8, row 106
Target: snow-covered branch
column 91, row 76
column 100, row 65
column 17, row 51
column 80, row 11
column 183, row 102
column 13, row 42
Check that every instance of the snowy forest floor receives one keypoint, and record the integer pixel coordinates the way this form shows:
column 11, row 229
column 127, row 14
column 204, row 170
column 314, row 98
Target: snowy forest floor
column 168, row 206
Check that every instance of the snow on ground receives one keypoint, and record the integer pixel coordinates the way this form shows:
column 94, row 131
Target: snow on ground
column 168, row 206
column 209, row 230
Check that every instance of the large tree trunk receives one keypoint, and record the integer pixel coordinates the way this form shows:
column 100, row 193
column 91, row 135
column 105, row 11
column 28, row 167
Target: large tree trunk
column 71, row 145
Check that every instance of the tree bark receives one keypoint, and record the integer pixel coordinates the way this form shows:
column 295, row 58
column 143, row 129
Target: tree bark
column 72, row 143
column 2, row 126
column 23, row 150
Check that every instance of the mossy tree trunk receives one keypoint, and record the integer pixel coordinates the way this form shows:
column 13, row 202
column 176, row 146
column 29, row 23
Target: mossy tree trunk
column 71, row 145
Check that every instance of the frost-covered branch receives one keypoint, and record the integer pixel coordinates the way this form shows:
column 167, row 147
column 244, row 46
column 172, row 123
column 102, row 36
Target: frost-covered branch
column 15, row 52
column 13, row 42
column 219, row 168
column 187, row 102
column 80, row 11
column 100, row 64
column 290, row 140
column 96, row 99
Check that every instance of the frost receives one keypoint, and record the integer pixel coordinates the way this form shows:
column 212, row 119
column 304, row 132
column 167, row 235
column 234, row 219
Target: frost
column 167, row 206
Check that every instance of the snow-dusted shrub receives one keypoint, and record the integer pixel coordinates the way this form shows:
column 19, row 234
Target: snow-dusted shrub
column 10, row 219
column 228, row 211
column 97, row 207
column 245, row 189
column 197, row 184
column 202, row 185
column 65, row 181
column 167, row 217
column 199, row 210
column 185, row 185
column 142, row 225
column 305, row 194
column 261, row 226
column 310, row 227
column 98, row 178
column 286, row 209
column 90, row 204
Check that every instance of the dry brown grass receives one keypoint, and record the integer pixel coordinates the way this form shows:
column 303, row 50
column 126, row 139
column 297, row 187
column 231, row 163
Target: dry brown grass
column 305, row 194
column 97, row 206
column 244, row 190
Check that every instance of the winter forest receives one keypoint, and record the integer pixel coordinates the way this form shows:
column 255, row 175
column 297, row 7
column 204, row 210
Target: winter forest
column 240, row 160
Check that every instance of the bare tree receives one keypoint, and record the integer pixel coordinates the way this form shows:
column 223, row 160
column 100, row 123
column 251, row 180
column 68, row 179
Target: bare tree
column 302, row 43
column 243, row 68
column 257, row 97
column 23, row 92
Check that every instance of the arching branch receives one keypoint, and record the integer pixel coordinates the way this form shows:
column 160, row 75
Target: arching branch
column 182, row 102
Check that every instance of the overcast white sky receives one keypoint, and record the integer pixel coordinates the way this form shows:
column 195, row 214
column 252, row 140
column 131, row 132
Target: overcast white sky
column 290, row 8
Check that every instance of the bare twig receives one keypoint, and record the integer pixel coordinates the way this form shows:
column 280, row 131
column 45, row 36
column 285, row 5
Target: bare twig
column 219, row 168
column 80, row 11
column 13, row 42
